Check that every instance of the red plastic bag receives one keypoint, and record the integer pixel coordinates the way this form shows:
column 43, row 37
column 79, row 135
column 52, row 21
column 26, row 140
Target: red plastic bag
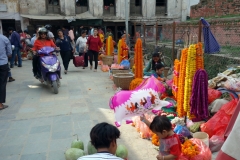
column 78, row 61
column 213, row 95
column 215, row 143
column 219, row 122
column 205, row 153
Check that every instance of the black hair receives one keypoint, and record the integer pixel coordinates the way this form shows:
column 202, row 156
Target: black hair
column 25, row 31
column 159, row 66
column 59, row 30
column 153, row 62
column 103, row 134
column 161, row 123
column 72, row 27
column 83, row 32
column 10, row 29
column 19, row 31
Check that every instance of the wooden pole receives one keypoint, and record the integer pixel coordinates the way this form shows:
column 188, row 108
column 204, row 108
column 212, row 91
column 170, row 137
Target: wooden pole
column 173, row 45
column 199, row 31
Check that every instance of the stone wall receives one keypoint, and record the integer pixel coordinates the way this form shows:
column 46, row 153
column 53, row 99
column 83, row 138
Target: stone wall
column 32, row 7
column 209, row 8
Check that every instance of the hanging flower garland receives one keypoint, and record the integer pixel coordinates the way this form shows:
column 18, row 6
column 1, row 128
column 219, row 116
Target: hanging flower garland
column 181, row 82
column 176, row 77
column 120, row 51
column 199, row 58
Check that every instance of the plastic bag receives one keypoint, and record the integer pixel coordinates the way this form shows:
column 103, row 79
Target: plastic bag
column 183, row 130
column 213, row 95
column 215, row 143
column 232, row 84
column 125, row 64
column 105, row 68
column 216, row 105
column 205, row 152
column 219, row 122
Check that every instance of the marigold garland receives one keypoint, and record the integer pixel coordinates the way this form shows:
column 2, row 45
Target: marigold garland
column 181, row 83
column 120, row 51
column 138, row 58
column 189, row 149
column 135, row 83
column 190, row 72
column 109, row 46
column 175, row 77
column 155, row 140
column 199, row 58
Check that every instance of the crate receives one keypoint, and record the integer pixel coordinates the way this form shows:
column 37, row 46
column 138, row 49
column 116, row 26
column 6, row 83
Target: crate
column 123, row 80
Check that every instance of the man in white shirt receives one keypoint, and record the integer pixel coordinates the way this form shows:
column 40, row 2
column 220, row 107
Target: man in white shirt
column 104, row 138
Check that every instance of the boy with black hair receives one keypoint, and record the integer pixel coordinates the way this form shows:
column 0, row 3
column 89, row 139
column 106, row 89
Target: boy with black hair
column 104, row 138
column 170, row 145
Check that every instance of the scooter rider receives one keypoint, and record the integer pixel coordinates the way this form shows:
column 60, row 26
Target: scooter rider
column 50, row 34
column 42, row 41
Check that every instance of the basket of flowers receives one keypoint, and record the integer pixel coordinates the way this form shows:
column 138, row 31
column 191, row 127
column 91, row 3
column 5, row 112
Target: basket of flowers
column 123, row 80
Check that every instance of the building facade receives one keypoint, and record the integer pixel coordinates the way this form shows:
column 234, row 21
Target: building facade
column 105, row 13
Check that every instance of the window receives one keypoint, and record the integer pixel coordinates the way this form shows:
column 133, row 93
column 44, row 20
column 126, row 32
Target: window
column 53, row 2
column 160, row 2
column 109, row 2
column 82, row 3
column 138, row 2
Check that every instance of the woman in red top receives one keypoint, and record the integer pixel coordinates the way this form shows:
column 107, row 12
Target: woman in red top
column 93, row 45
column 42, row 41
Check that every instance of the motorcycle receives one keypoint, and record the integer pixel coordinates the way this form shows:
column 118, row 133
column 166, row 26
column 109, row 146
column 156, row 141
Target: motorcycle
column 50, row 68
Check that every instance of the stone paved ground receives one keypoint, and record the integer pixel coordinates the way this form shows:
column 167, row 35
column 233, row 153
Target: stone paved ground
column 40, row 125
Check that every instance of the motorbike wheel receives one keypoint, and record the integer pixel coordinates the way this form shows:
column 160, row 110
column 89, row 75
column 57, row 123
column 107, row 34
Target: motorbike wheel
column 55, row 87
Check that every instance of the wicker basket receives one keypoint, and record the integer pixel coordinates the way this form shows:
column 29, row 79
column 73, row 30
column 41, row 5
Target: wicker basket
column 123, row 80
column 107, row 60
column 115, row 71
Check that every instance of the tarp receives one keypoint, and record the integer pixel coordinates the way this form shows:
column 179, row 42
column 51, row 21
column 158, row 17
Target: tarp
column 210, row 43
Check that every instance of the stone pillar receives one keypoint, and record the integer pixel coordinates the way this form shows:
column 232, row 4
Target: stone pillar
column 120, row 8
column 148, row 8
column 96, row 7
column 70, row 7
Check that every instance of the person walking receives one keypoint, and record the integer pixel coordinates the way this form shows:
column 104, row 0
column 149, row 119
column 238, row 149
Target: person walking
column 50, row 34
column 15, row 40
column 81, row 44
column 66, row 50
column 71, row 35
column 5, row 52
column 93, row 45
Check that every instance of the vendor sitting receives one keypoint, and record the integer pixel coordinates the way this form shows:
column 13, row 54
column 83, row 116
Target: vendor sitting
column 159, row 69
column 151, row 67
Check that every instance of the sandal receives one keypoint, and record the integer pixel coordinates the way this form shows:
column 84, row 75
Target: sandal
column 3, row 107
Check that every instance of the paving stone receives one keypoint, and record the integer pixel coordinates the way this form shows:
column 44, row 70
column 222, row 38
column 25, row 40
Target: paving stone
column 39, row 137
column 13, row 157
column 62, row 135
column 32, row 148
column 18, row 132
column 21, row 124
column 42, row 121
column 11, row 140
column 57, row 127
column 10, row 150
column 40, row 129
column 5, row 125
column 60, row 144
column 56, row 155
column 38, row 156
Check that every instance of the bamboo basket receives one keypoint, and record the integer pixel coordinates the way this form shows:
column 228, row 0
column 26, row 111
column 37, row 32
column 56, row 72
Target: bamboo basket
column 107, row 60
column 123, row 80
column 115, row 71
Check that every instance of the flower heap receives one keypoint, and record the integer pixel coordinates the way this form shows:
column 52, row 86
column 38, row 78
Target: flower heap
column 189, row 149
column 109, row 46
column 155, row 140
column 199, row 58
column 190, row 72
column 181, row 83
column 138, row 62
column 176, row 77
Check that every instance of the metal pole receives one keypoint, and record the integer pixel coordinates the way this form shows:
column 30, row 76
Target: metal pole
column 126, row 20
column 173, row 45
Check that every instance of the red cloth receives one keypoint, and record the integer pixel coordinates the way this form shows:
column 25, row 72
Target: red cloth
column 38, row 44
column 221, row 155
column 94, row 43
column 170, row 145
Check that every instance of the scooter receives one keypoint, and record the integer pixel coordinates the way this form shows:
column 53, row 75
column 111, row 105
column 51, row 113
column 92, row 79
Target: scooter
column 50, row 68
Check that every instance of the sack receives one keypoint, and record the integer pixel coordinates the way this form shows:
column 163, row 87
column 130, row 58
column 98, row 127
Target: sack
column 213, row 95
column 125, row 64
column 105, row 68
column 232, row 84
column 78, row 61
column 219, row 122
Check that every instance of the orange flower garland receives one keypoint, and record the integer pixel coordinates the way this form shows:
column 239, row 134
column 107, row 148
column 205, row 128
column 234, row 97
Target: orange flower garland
column 109, row 46
column 155, row 140
column 181, row 83
column 189, row 149
column 120, row 51
column 176, row 77
column 135, row 83
column 138, row 59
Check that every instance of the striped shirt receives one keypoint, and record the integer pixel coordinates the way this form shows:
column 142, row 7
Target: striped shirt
column 100, row 156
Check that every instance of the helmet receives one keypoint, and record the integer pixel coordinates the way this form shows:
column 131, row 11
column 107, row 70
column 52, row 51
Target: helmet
column 42, row 30
column 48, row 26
